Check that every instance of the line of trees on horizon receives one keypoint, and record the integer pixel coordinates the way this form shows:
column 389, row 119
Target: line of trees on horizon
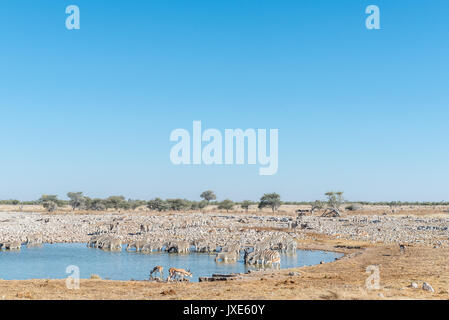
column 79, row 201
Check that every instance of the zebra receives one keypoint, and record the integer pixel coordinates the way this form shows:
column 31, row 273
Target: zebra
column 114, row 244
column 232, row 248
column 103, row 241
column 149, row 247
column 138, row 245
column 179, row 247
column 271, row 257
column 15, row 245
column 34, row 240
column 263, row 257
column 144, row 228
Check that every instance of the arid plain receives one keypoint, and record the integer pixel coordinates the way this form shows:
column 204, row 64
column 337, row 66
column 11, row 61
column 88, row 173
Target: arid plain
column 409, row 245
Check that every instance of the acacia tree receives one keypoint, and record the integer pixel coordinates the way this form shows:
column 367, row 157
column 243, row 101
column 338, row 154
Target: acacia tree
column 208, row 195
column 157, row 204
column 77, row 200
column 178, row 204
column 226, row 205
column 272, row 200
column 334, row 202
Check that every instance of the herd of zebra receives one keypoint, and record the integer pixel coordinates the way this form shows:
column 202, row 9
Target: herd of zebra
column 31, row 240
column 265, row 253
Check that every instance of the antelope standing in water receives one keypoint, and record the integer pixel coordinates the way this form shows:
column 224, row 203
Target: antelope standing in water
column 173, row 272
column 157, row 269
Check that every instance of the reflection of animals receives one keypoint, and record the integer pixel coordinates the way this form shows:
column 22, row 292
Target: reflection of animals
column 174, row 273
column 226, row 256
column 157, row 269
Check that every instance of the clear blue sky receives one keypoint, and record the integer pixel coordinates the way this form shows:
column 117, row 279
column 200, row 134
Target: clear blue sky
column 363, row 111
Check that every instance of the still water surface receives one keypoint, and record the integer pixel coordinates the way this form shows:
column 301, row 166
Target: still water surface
column 51, row 260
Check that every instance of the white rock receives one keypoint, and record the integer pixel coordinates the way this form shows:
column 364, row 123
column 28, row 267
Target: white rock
column 414, row 285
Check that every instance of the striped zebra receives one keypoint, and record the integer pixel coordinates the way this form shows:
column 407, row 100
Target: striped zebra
column 271, row 257
column 263, row 257
column 138, row 245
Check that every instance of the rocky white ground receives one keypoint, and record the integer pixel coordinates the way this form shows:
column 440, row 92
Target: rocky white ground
column 222, row 228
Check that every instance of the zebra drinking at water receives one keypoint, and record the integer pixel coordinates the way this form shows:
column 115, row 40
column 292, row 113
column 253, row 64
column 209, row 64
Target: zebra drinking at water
column 138, row 245
column 263, row 257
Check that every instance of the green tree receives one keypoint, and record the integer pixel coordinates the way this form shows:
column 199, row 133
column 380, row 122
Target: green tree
column 272, row 200
column 134, row 204
column 194, row 205
column 157, row 204
column 245, row 204
column 77, row 200
column 208, row 195
column 178, row 204
column 95, row 204
column 116, row 202
column 198, row 205
column 50, row 202
column 226, row 205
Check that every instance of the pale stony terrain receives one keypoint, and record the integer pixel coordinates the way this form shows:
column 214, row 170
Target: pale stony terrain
column 222, row 227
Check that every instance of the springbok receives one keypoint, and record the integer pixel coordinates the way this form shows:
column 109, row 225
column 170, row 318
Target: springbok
column 157, row 269
column 173, row 272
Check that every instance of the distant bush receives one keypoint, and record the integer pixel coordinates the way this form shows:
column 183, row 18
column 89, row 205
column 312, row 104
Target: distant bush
column 354, row 207
column 226, row 205
column 10, row 202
